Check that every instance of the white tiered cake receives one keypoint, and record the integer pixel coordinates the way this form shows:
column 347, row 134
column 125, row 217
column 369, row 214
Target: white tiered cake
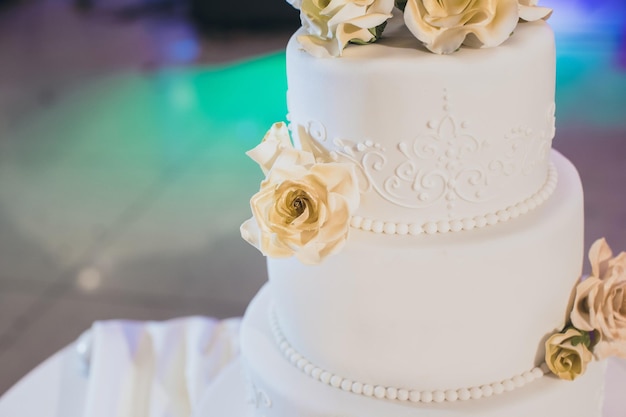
column 423, row 238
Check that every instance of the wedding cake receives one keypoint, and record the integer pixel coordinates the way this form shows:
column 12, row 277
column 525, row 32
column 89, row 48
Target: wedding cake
column 424, row 242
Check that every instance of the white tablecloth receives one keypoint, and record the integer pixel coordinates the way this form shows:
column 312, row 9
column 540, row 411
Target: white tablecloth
column 129, row 369
column 55, row 388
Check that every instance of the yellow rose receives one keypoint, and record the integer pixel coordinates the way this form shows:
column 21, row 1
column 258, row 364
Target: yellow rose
column 444, row 25
column 567, row 359
column 305, row 203
column 600, row 301
column 303, row 211
column 331, row 24
column 530, row 11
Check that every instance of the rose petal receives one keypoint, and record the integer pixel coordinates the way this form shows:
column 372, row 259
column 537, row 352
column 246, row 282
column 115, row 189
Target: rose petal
column 599, row 256
column 347, row 32
column 533, row 13
column 250, row 232
column 449, row 41
column 617, row 265
column 274, row 246
column 381, row 6
column 583, row 307
column 500, row 27
column 319, row 48
column 369, row 21
column 341, row 179
column 291, row 164
column 345, row 14
column 275, row 141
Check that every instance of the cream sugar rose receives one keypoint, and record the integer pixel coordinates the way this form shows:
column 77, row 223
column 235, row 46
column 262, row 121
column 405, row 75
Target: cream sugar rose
column 442, row 25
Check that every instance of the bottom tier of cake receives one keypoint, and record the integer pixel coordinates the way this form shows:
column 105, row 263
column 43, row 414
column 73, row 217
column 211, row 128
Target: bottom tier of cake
column 280, row 389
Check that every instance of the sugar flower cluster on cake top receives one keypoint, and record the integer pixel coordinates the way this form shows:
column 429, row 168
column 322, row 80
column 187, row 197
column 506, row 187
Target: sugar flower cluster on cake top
column 440, row 25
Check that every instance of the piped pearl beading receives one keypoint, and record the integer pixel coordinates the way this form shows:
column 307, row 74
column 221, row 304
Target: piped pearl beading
column 399, row 394
column 445, row 226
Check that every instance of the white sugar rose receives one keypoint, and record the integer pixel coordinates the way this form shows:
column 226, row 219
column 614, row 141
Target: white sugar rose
column 600, row 301
column 444, row 25
column 530, row 11
column 566, row 354
column 332, row 24
column 303, row 211
column 278, row 143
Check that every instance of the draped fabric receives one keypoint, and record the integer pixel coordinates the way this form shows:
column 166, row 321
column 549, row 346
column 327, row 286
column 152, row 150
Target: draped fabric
column 155, row 369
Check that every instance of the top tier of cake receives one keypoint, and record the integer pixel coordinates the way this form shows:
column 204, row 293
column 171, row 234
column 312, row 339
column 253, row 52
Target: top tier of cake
column 440, row 142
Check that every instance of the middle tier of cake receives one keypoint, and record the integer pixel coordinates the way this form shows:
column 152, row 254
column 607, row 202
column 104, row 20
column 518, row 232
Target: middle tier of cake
column 437, row 312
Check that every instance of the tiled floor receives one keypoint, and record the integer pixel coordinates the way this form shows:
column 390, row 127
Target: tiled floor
column 123, row 179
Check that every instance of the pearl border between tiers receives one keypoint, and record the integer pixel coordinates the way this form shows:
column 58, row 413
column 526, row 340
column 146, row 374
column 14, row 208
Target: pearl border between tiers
column 393, row 393
column 444, row 226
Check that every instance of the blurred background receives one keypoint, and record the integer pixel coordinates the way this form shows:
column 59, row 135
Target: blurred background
column 123, row 179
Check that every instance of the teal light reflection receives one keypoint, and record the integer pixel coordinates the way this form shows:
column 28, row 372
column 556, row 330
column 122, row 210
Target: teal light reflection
column 591, row 72
column 220, row 112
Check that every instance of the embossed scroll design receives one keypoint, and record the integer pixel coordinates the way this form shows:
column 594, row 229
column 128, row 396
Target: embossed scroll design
column 445, row 163
column 257, row 398
column 446, row 146
column 526, row 149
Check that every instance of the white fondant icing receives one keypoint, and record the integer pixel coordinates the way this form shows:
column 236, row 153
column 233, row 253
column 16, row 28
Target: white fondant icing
column 444, row 226
column 393, row 393
column 436, row 138
column 295, row 394
column 438, row 311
